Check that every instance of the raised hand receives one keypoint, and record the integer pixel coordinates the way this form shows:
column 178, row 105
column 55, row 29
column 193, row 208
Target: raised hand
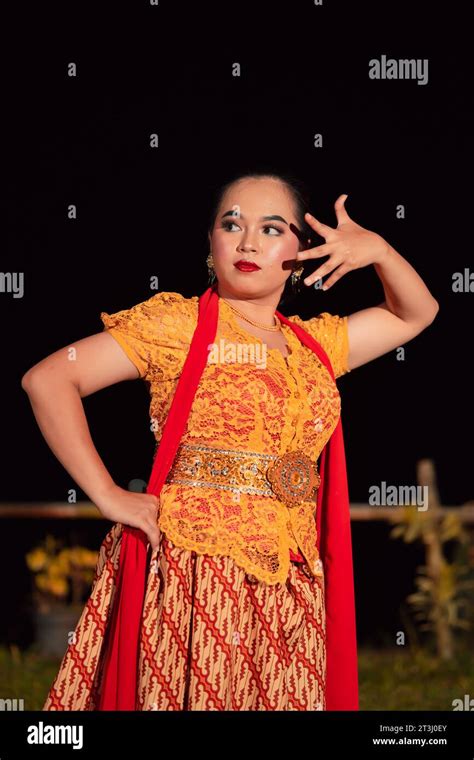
column 349, row 246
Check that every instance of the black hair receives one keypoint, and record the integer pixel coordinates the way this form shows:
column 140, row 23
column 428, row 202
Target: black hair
column 300, row 195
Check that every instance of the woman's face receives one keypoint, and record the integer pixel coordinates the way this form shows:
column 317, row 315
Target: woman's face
column 243, row 230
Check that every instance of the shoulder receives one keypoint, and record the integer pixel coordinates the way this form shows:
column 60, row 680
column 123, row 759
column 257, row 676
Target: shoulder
column 324, row 324
column 165, row 308
column 167, row 302
column 175, row 314
column 172, row 301
column 331, row 331
column 155, row 333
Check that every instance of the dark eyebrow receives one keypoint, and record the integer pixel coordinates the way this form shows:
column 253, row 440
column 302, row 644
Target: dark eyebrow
column 262, row 218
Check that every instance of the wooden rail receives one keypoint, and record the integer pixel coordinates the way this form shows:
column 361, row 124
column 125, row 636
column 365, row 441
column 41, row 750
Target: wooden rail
column 87, row 510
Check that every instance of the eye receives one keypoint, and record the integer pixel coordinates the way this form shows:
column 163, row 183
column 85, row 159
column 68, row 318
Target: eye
column 225, row 226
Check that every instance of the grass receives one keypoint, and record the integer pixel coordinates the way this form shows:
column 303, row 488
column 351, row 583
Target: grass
column 26, row 675
column 396, row 679
column 389, row 679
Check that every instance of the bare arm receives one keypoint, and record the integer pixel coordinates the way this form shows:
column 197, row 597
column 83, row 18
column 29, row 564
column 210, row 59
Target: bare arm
column 409, row 306
column 407, row 310
column 55, row 387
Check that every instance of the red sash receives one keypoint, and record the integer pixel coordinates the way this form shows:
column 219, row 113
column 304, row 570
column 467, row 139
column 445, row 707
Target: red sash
column 119, row 684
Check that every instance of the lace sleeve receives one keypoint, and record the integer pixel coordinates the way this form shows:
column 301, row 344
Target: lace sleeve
column 331, row 331
column 155, row 334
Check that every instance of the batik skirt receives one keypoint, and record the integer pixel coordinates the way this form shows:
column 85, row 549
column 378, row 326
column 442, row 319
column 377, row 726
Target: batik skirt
column 212, row 637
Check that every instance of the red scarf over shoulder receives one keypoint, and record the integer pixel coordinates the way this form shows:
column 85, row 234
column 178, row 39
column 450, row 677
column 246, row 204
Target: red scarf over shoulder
column 119, row 684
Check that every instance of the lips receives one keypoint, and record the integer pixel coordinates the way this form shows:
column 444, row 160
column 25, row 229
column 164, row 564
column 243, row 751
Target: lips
column 246, row 266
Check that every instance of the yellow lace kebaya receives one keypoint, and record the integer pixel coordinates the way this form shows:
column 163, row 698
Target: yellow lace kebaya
column 257, row 402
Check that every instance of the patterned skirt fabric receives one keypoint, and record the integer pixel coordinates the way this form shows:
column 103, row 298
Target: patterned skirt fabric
column 213, row 637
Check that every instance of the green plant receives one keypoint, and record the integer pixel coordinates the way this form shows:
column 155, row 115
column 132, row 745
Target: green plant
column 441, row 601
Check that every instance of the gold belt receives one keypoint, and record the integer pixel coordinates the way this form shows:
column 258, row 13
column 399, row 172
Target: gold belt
column 292, row 477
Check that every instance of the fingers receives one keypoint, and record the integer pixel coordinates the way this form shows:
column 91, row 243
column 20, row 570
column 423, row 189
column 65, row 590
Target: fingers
column 147, row 520
column 154, row 538
column 151, row 519
column 154, row 503
column 314, row 253
column 338, row 273
column 152, row 499
column 341, row 213
column 322, row 229
column 323, row 270
column 150, row 527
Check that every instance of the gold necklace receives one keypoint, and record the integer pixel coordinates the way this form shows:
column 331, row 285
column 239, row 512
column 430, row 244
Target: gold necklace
column 273, row 328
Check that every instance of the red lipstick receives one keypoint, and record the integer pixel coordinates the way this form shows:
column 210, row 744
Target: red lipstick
column 246, row 266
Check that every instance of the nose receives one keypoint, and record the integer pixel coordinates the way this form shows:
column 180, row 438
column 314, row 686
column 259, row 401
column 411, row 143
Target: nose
column 250, row 247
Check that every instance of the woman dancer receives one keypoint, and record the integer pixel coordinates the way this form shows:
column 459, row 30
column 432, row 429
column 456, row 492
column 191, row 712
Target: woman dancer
column 228, row 585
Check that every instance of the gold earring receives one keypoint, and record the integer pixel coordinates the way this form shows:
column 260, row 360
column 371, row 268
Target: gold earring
column 295, row 276
column 210, row 269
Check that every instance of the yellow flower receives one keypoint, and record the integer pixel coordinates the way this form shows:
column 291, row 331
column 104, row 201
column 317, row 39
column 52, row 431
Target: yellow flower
column 55, row 567
column 83, row 557
column 90, row 558
column 42, row 581
column 62, row 561
column 58, row 586
column 37, row 559
column 58, row 568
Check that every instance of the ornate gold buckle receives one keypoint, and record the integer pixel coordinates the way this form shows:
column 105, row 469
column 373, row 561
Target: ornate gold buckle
column 294, row 478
